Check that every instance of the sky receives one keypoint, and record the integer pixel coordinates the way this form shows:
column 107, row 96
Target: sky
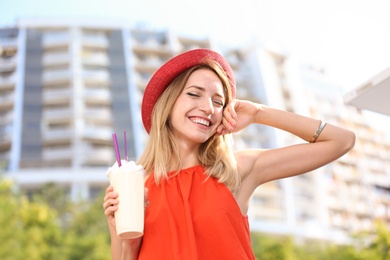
column 349, row 39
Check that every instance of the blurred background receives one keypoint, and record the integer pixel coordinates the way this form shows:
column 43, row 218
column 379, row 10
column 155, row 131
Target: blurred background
column 73, row 72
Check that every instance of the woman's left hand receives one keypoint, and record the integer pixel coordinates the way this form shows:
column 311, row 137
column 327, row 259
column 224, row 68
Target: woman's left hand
column 237, row 115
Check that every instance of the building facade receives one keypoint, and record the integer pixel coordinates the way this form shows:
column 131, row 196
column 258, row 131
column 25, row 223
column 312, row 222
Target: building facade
column 339, row 199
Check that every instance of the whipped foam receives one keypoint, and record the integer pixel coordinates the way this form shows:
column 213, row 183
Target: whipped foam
column 127, row 167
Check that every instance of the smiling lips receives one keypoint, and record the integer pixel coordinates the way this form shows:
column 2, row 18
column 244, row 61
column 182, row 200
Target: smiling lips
column 201, row 121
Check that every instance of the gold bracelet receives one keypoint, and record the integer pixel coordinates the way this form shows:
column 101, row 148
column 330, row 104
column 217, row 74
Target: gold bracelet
column 318, row 132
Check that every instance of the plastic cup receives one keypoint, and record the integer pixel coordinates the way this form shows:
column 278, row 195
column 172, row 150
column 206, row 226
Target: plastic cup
column 129, row 218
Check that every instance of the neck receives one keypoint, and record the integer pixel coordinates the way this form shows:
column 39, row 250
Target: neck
column 188, row 155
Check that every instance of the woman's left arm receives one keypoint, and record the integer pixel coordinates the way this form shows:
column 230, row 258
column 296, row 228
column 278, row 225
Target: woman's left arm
column 266, row 165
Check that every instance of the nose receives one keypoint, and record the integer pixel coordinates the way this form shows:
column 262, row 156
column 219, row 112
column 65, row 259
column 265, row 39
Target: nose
column 207, row 106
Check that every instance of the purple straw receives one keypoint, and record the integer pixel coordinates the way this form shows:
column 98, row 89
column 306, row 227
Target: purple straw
column 127, row 158
column 118, row 155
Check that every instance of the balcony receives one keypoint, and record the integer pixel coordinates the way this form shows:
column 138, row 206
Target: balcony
column 97, row 77
column 148, row 65
column 98, row 135
column 8, row 82
column 56, row 59
column 95, row 42
column 56, row 40
column 141, row 82
column 6, row 102
column 57, row 77
column 5, row 156
column 7, row 43
column 100, row 96
column 62, row 115
column 268, row 213
column 98, row 157
column 6, row 118
column 95, row 59
column 52, row 154
column 56, row 96
column 98, row 115
column 151, row 44
column 192, row 43
column 5, row 141
column 270, row 189
column 8, row 65
column 57, row 136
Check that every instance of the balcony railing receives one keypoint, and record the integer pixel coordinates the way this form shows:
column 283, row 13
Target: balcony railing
column 7, row 43
column 8, row 64
column 5, row 141
column 101, row 96
column 57, row 136
column 57, row 115
column 98, row 134
column 7, row 101
column 8, row 81
column 49, row 154
column 56, row 96
column 96, row 77
column 98, row 113
column 102, row 156
column 6, row 118
column 5, row 156
column 56, row 76
column 95, row 59
column 56, row 40
column 94, row 41
column 52, row 59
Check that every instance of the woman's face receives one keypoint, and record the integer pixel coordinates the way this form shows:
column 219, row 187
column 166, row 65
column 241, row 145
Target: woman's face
column 198, row 110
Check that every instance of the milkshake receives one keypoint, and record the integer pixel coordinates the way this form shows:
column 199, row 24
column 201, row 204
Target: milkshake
column 128, row 181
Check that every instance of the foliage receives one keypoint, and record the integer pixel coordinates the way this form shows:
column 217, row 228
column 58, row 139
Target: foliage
column 88, row 236
column 379, row 245
column 48, row 225
column 273, row 247
column 29, row 230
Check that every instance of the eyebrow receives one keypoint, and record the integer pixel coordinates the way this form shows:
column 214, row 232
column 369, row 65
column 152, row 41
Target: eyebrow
column 204, row 90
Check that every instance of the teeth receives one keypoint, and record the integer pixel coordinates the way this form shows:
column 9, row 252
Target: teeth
column 201, row 121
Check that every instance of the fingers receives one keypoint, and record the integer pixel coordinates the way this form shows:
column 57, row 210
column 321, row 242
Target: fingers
column 110, row 204
column 228, row 121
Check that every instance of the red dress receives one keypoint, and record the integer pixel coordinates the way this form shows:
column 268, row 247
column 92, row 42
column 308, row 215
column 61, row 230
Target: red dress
column 192, row 217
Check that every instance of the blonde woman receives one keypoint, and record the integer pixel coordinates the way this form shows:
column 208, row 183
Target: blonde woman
column 197, row 189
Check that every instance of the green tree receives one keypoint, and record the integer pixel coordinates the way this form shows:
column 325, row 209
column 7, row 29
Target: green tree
column 283, row 248
column 29, row 230
column 56, row 198
column 87, row 236
column 379, row 247
column 268, row 247
column 85, row 232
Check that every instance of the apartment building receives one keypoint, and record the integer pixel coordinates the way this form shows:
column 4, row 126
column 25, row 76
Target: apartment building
column 341, row 198
column 67, row 85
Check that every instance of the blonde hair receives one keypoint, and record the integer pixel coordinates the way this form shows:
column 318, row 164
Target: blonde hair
column 215, row 154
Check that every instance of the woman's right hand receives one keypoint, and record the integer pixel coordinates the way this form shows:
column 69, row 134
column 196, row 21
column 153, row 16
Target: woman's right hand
column 110, row 205
column 111, row 201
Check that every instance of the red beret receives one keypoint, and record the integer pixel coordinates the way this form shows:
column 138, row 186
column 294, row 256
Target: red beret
column 172, row 69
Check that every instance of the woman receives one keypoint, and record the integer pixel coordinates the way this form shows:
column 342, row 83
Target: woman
column 197, row 189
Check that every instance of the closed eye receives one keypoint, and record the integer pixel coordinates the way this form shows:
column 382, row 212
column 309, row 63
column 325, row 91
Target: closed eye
column 219, row 103
column 193, row 94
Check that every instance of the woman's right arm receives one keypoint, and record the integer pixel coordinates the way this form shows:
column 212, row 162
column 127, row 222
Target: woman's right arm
column 120, row 249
